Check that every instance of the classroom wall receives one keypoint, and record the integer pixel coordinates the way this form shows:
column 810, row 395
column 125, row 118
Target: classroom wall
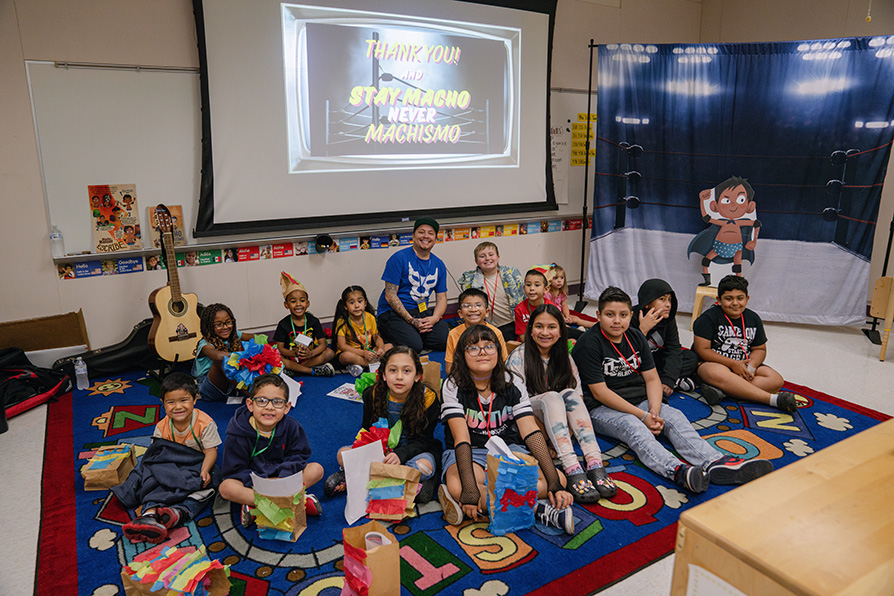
column 161, row 33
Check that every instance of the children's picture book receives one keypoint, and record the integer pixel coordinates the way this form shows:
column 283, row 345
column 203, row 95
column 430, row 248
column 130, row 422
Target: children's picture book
column 176, row 226
column 346, row 391
column 283, row 250
column 209, row 257
column 131, row 265
column 116, row 220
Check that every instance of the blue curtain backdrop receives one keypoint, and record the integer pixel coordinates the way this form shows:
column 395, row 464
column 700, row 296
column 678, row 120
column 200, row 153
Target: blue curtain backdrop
column 809, row 125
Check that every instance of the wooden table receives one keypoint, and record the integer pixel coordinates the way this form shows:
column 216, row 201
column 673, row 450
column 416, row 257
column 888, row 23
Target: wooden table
column 822, row 525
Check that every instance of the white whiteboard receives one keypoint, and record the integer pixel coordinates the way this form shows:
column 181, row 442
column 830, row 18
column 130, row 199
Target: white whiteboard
column 103, row 126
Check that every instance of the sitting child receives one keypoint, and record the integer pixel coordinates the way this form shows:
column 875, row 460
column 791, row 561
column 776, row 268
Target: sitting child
column 655, row 316
column 220, row 336
column 190, row 440
column 535, row 291
column 731, row 344
column 356, row 335
column 473, row 311
column 299, row 336
column 482, row 399
column 622, row 390
column 263, row 439
column 399, row 394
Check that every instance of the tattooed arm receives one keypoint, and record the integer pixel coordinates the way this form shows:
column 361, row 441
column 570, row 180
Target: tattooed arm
column 396, row 305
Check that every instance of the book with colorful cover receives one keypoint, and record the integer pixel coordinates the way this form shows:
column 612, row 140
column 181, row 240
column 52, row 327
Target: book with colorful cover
column 115, row 217
column 176, row 227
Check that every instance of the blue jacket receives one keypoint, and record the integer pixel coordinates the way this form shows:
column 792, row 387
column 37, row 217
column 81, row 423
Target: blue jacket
column 287, row 453
column 168, row 473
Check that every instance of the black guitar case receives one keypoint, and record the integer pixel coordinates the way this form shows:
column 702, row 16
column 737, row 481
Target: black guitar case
column 133, row 353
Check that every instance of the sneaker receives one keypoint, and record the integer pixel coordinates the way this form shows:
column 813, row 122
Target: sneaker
column 787, row 402
column 603, row 483
column 582, row 489
column 355, row 370
column 712, row 394
column 686, row 384
column 734, row 470
column 335, row 484
column 324, row 370
column 169, row 517
column 548, row 515
column 312, row 505
column 246, row 517
column 426, row 490
column 692, row 478
column 453, row 513
column 145, row 529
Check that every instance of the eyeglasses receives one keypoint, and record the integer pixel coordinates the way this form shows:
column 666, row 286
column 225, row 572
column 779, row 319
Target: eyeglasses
column 474, row 349
column 476, row 306
column 222, row 324
column 278, row 402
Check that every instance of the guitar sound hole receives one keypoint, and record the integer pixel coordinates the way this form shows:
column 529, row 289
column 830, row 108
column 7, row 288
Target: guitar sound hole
column 178, row 307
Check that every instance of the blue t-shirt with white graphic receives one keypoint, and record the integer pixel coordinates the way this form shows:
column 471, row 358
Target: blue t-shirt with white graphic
column 416, row 279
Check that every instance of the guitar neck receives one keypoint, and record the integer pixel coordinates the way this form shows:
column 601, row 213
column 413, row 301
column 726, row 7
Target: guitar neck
column 171, row 260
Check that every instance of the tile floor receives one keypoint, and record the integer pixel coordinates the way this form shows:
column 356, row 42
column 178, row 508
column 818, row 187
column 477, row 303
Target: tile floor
column 838, row 361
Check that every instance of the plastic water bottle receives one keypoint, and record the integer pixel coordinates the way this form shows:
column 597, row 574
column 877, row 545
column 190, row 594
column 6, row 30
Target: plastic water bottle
column 57, row 244
column 81, row 373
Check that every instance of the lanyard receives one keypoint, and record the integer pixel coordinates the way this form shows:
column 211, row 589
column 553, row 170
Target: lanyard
column 255, row 451
column 192, row 432
column 744, row 339
column 635, row 358
column 366, row 338
column 493, row 301
column 490, row 409
column 295, row 333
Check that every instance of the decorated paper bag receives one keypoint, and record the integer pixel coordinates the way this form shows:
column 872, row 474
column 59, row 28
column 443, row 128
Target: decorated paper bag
column 174, row 572
column 392, row 490
column 511, row 493
column 279, row 507
column 108, row 467
column 431, row 374
column 372, row 561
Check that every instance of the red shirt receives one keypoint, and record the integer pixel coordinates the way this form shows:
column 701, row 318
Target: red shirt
column 523, row 314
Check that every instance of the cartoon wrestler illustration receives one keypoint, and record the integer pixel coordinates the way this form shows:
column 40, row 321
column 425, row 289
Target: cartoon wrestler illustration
column 729, row 208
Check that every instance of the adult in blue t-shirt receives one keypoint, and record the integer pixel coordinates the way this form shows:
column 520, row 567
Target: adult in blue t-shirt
column 411, row 276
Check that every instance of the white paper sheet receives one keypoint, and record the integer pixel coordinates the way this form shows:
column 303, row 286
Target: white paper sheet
column 278, row 487
column 294, row 388
column 497, row 447
column 357, row 462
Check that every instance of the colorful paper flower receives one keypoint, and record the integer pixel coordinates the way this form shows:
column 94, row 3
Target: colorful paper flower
column 255, row 360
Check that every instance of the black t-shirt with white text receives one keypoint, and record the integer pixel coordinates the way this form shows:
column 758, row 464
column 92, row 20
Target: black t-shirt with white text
column 599, row 361
column 725, row 334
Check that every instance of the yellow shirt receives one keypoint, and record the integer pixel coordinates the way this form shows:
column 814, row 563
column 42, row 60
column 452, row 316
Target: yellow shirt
column 371, row 332
column 453, row 339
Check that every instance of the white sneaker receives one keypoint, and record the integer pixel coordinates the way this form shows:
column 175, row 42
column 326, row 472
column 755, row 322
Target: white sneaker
column 453, row 513
column 355, row 370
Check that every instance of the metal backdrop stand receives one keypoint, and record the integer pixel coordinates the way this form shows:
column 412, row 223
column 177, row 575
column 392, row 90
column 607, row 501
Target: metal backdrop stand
column 585, row 229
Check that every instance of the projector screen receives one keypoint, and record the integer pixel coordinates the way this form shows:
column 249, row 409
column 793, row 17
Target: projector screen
column 322, row 114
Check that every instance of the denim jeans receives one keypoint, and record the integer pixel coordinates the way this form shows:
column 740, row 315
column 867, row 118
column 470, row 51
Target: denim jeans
column 190, row 507
column 677, row 428
column 413, row 463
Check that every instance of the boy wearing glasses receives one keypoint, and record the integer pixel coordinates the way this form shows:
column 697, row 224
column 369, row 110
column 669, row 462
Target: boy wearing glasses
column 262, row 439
column 473, row 311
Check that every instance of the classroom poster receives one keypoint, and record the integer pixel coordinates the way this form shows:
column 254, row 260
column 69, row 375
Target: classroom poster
column 109, row 267
column 176, row 226
column 115, row 218
column 555, row 226
column 487, row 231
column 573, row 224
column 406, row 238
column 209, row 257
column 231, row 255
column 461, row 233
column 510, row 230
column 265, row 252
column 532, row 227
column 345, row 244
column 283, row 250
column 248, row 253
column 88, row 269
column 66, row 271
column 300, row 248
column 378, row 241
column 187, row 259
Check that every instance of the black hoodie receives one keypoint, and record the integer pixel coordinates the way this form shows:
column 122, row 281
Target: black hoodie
column 664, row 339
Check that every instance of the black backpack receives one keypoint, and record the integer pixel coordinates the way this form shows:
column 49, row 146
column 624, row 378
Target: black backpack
column 24, row 386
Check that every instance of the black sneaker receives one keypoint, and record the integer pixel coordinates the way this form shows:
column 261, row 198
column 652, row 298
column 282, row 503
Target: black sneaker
column 169, row 517
column 734, row 470
column 712, row 394
column 787, row 402
column 145, row 529
column 427, row 490
column 324, row 370
column 548, row 515
column 603, row 483
column 686, row 384
column 246, row 518
column 692, row 478
column 335, row 484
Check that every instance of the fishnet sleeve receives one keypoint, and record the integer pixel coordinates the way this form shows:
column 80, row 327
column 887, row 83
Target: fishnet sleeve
column 536, row 444
column 470, row 493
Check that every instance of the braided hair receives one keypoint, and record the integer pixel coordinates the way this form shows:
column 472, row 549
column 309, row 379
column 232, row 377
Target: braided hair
column 234, row 344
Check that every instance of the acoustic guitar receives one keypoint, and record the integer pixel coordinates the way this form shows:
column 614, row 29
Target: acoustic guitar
column 176, row 327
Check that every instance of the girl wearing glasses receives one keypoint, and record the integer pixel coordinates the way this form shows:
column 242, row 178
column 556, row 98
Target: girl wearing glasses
column 483, row 399
column 554, row 385
column 219, row 338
